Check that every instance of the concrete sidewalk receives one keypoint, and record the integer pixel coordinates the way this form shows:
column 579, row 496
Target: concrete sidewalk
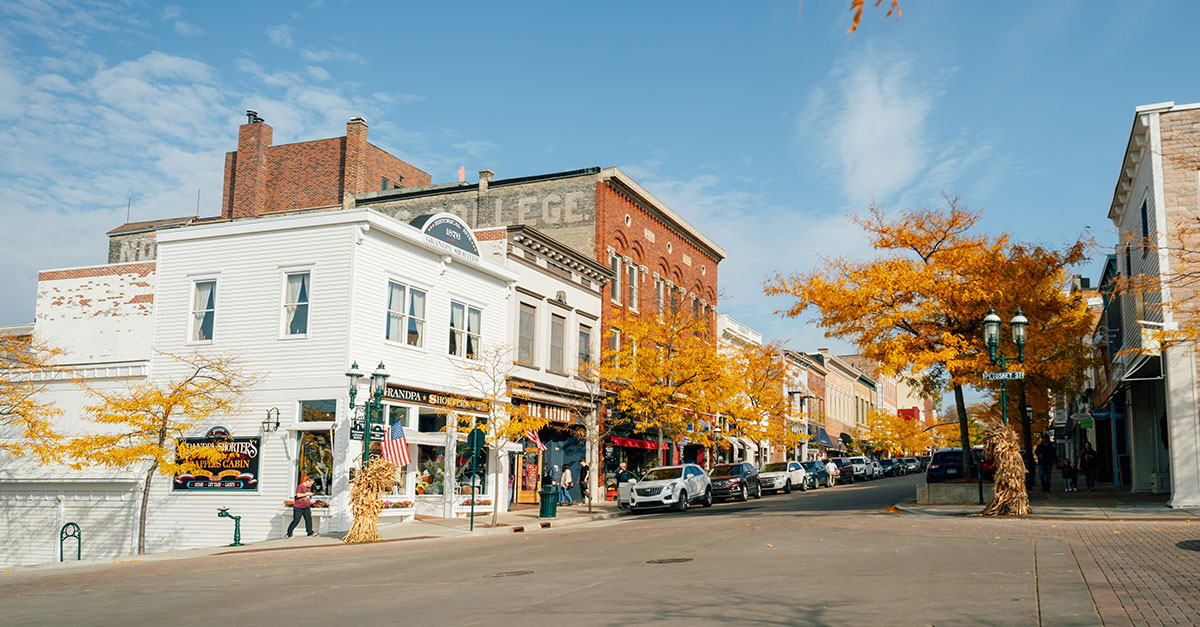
column 1104, row 503
column 508, row 523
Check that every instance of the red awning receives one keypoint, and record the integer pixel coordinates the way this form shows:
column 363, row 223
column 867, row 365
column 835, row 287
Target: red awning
column 632, row 443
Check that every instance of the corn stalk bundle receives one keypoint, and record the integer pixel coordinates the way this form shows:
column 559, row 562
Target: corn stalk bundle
column 1000, row 444
column 366, row 499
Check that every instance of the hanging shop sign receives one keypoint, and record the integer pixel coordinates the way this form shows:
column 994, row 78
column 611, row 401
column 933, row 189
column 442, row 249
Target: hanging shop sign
column 434, row 399
column 378, row 431
column 234, row 469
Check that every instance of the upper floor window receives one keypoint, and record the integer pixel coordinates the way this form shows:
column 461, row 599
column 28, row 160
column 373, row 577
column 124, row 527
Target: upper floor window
column 660, row 287
column 465, row 324
column 406, row 314
column 1145, row 223
column 525, row 331
column 204, row 310
column 614, row 346
column 558, row 326
column 585, row 345
column 633, row 286
column 295, row 304
column 615, row 285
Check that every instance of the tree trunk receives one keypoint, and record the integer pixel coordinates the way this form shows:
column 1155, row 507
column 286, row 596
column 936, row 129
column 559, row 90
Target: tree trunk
column 591, row 453
column 496, row 481
column 660, row 448
column 1026, row 424
column 144, row 508
column 964, row 431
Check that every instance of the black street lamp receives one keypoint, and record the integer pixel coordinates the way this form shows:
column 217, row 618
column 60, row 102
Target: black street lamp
column 374, row 402
column 991, row 338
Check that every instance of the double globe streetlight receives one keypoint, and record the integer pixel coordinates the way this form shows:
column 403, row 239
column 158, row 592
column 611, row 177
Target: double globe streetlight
column 373, row 404
column 991, row 338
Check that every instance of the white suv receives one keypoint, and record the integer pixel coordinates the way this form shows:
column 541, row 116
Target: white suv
column 860, row 466
column 671, row 486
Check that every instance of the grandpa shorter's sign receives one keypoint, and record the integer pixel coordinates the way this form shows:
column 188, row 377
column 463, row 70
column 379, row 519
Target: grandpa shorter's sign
column 235, row 469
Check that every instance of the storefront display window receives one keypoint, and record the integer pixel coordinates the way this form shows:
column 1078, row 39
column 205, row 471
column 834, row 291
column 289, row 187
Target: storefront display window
column 398, row 414
column 431, row 467
column 464, row 478
column 318, row 411
column 431, row 421
column 316, row 460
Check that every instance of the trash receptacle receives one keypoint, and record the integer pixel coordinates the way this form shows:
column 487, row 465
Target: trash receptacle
column 549, row 502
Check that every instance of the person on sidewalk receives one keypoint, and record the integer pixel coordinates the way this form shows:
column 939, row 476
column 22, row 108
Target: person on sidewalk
column 565, row 483
column 832, row 469
column 584, row 488
column 1070, row 476
column 1047, row 459
column 623, row 475
column 302, row 506
column 1030, row 469
column 1089, row 460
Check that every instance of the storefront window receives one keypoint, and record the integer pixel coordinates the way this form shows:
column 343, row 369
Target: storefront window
column 318, row 411
column 431, row 421
column 464, row 477
column 398, row 414
column 316, row 460
column 431, row 467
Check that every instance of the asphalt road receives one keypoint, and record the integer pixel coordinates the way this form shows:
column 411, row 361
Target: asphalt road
column 826, row 557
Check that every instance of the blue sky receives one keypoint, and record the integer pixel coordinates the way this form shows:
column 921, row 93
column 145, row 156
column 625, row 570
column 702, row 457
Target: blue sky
column 763, row 123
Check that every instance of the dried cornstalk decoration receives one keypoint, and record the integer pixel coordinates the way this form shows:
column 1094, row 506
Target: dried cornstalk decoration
column 1001, row 445
column 366, row 498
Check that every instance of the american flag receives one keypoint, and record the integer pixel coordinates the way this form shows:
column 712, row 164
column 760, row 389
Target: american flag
column 532, row 436
column 395, row 446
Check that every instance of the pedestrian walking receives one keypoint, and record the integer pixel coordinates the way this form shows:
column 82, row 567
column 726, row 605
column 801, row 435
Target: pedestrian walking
column 1047, row 459
column 1070, row 476
column 1089, row 460
column 832, row 469
column 1030, row 469
column 623, row 475
column 565, row 483
column 585, row 490
column 302, row 506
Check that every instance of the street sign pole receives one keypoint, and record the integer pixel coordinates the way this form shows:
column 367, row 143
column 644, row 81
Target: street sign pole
column 475, row 441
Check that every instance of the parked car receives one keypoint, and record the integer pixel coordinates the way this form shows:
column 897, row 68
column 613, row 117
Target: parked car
column 892, row 467
column 946, row 464
column 817, row 475
column 875, row 469
column 671, row 486
column 859, row 464
column 738, row 481
column 911, row 464
column 845, row 470
column 783, row 476
column 924, row 461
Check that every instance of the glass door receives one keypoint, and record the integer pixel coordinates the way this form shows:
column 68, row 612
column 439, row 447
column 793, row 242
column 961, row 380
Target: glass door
column 530, row 474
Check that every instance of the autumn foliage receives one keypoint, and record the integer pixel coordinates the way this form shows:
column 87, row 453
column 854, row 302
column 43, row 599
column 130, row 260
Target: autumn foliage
column 25, row 368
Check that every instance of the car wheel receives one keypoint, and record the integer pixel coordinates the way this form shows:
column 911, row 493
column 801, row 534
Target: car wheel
column 682, row 505
column 758, row 491
column 787, row 487
column 708, row 500
column 744, row 495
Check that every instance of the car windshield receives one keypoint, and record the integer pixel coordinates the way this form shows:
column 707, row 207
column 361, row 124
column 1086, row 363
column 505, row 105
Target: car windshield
column 812, row 465
column 658, row 474
column 947, row 457
column 839, row 462
column 858, row 460
column 776, row 467
column 887, row 462
column 724, row 469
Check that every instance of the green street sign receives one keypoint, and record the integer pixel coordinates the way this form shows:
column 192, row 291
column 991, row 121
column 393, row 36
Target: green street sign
column 1087, row 423
column 477, row 439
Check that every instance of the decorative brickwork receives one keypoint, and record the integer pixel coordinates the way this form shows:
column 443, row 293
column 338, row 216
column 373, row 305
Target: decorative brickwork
column 139, row 269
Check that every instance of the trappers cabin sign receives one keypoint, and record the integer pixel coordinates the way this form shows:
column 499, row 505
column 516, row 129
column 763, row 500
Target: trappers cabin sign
column 235, row 469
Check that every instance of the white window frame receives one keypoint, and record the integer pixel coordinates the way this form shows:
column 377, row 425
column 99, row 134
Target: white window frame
column 404, row 315
column 579, row 348
column 562, row 345
column 283, row 307
column 633, row 275
column 191, row 325
column 615, row 262
column 532, row 362
column 465, row 331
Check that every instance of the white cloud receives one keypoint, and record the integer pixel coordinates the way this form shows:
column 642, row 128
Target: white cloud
column 280, row 35
column 334, row 54
column 173, row 14
column 316, row 72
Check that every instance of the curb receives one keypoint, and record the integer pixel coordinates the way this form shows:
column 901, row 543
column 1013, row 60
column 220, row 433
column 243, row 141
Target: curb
column 909, row 508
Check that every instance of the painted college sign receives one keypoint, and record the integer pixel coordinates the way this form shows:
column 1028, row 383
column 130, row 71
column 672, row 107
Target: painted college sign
column 235, row 469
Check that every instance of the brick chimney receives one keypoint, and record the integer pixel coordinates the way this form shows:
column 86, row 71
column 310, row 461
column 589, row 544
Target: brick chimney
column 355, row 170
column 485, row 177
column 248, row 168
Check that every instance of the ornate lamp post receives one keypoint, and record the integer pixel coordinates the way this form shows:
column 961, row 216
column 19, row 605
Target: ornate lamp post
column 373, row 404
column 991, row 338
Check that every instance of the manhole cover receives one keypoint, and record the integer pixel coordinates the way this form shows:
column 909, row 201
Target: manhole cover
column 1189, row 545
column 511, row 573
column 670, row 560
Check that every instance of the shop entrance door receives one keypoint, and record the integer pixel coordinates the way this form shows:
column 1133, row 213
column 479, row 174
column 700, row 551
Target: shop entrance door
column 531, row 473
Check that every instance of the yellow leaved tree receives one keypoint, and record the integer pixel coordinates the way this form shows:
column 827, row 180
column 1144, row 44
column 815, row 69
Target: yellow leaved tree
column 663, row 373
column 143, row 426
column 917, row 308
column 25, row 368
column 751, row 385
column 896, row 435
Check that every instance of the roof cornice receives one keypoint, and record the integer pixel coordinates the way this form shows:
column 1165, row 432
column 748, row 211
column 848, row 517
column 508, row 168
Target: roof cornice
column 663, row 212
